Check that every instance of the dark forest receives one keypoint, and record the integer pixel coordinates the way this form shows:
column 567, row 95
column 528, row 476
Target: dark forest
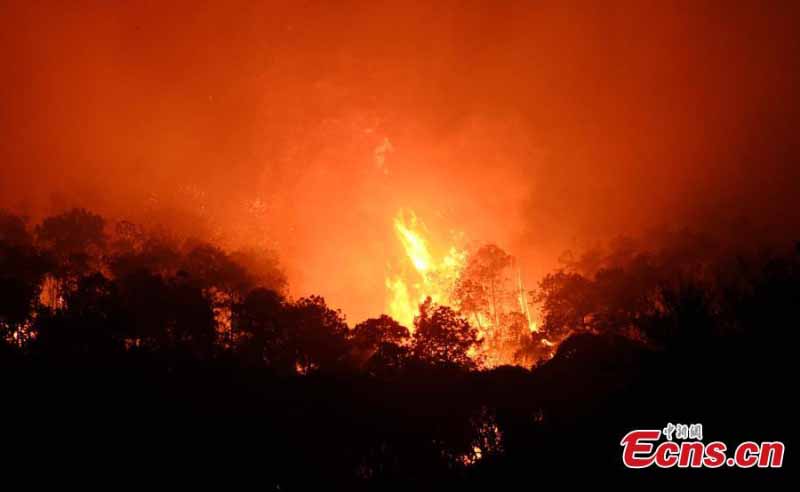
column 118, row 358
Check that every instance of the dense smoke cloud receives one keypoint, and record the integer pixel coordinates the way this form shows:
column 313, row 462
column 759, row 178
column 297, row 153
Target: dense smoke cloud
column 307, row 127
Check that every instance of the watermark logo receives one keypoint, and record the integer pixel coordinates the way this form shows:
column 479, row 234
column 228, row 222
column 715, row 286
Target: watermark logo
column 682, row 446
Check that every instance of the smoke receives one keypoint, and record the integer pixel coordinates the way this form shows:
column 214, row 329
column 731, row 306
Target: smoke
column 305, row 128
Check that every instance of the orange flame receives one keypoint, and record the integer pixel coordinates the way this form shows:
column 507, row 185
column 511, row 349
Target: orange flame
column 431, row 277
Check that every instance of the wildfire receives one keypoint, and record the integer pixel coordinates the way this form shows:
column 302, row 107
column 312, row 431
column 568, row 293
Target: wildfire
column 431, row 277
column 522, row 301
column 415, row 245
column 485, row 286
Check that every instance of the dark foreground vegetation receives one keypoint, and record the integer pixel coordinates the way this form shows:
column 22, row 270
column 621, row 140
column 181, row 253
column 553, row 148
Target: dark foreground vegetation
column 126, row 357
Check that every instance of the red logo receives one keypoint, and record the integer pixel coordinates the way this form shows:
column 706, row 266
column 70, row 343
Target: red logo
column 644, row 448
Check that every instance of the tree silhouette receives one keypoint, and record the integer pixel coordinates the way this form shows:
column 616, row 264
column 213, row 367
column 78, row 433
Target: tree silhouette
column 133, row 249
column 317, row 335
column 262, row 330
column 22, row 271
column 13, row 230
column 369, row 334
column 212, row 268
column 223, row 281
column 137, row 340
column 145, row 300
column 380, row 343
column 76, row 240
column 192, row 325
column 263, row 267
column 90, row 325
column 567, row 300
column 443, row 338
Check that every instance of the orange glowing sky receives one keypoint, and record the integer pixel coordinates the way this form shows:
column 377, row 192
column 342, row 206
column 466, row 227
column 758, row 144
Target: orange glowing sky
column 540, row 126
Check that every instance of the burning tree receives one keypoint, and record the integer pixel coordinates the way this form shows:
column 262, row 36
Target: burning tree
column 482, row 290
column 483, row 286
column 486, row 294
column 433, row 275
